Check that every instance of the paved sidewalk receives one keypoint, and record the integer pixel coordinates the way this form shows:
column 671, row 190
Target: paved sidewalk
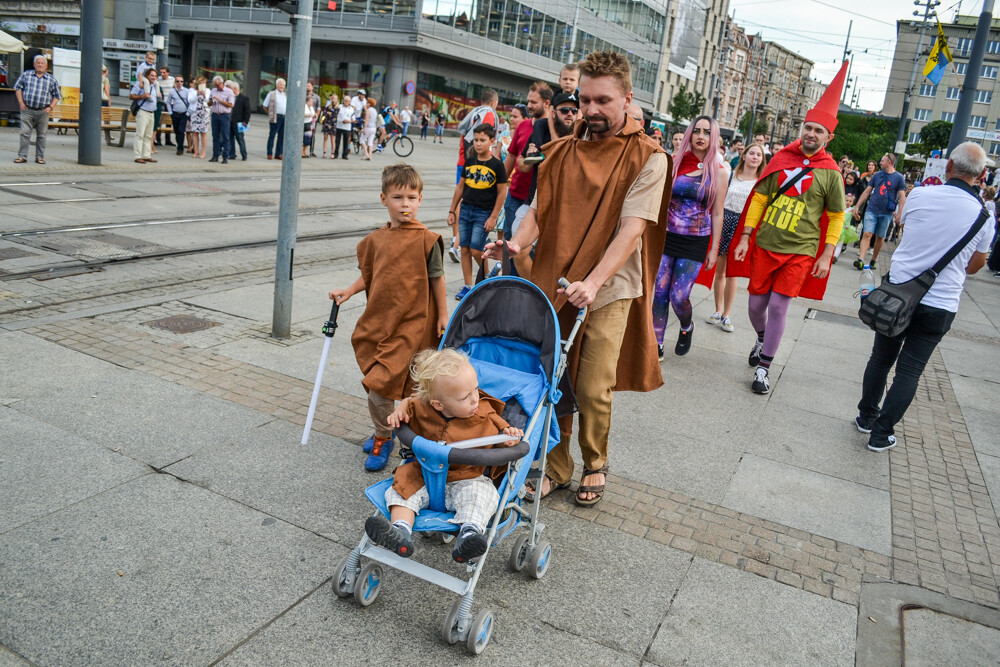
column 156, row 506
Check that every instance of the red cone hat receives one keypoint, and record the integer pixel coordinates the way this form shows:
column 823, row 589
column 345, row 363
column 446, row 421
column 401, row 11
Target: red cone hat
column 825, row 111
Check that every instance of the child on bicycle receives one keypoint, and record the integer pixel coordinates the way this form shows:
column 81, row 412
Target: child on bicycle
column 447, row 406
column 480, row 193
column 402, row 273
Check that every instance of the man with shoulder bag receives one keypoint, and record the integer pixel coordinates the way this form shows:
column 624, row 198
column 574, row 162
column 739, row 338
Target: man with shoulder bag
column 948, row 234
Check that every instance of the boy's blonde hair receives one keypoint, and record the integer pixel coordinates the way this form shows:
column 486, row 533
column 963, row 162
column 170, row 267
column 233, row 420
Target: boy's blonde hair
column 401, row 176
column 430, row 365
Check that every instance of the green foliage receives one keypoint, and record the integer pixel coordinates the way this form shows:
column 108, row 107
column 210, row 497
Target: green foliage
column 935, row 135
column 684, row 105
column 759, row 125
column 863, row 138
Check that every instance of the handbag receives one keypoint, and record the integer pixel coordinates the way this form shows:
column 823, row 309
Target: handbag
column 888, row 309
column 135, row 107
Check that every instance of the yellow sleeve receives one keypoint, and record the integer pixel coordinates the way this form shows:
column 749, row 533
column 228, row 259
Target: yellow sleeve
column 835, row 227
column 757, row 206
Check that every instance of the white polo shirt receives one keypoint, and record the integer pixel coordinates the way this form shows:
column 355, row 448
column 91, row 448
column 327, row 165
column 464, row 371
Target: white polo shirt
column 935, row 217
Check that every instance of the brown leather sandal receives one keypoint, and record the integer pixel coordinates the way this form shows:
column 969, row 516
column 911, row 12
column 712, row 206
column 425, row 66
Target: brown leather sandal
column 553, row 486
column 597, row 489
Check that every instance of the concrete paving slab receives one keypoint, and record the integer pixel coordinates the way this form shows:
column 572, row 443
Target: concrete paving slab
column 818, row 443
column 837, row 336
column 406, row 621
column 834, row 508
column 978, row 401
column 931, row 638
column 10, row 659
column 801, row 388
column 965, row 358
column 155, row 571
column 836, row 363
column 32, row 367
column 43, row 469
column 319, row 487
column 723, row 616
column 590, row 572
column 150, row 419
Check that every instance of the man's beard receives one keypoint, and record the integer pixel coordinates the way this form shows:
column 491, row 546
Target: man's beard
column 540, row 113
column 562, row 129
column 598, row 124
column 811, row 145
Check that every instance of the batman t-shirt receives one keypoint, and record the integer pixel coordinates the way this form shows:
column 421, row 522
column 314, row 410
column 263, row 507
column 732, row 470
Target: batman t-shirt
column 480, row 179
column 791, row 224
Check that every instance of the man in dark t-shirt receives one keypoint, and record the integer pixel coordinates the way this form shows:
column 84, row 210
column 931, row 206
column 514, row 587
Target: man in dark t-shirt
column 565, row 110
column 885, row 194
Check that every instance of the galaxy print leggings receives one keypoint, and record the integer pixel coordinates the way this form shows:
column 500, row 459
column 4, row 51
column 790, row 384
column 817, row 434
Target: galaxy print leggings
column 673, row 286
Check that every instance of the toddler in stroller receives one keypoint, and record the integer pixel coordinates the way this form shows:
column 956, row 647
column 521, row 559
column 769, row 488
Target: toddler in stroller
column 448, row 406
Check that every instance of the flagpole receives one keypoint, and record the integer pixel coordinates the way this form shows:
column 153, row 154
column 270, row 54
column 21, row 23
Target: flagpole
column 901, row 132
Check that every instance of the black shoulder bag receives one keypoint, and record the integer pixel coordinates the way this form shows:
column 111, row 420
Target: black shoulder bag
column 889, row 307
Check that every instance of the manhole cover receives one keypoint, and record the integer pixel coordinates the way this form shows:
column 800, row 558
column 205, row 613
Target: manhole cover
column 181, row 324
column 92, row 245
column 15, row 253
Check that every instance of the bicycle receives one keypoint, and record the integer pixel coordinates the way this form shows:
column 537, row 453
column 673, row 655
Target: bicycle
column 401, row 146
column 356, row 138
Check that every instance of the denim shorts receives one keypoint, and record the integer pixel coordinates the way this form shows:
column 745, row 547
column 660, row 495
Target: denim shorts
column 472, row 226
column 877, row 222
column 510, row 207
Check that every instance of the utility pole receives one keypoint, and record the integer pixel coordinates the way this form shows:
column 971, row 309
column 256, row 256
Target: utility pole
column 288, row 206
column 164, row 29
column 961, row 125
column 756, row 89
column 928, row 6
column 721, row 74
column 88, row 149
column 846, row 52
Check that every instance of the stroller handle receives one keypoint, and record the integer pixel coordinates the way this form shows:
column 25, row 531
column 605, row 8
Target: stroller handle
column 330, row 326
column 471, row 457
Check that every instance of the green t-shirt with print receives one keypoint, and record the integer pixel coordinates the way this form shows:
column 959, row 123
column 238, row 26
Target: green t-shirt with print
column 791, row 224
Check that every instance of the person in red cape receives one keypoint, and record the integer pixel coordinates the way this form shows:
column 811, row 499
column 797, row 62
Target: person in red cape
column 789, row 229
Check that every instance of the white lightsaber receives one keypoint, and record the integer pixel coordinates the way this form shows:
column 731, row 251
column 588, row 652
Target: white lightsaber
column 328, row 329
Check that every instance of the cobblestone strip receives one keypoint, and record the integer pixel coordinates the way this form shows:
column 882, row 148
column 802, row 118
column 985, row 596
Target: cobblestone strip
column 338, row 414
column 771, row 550
column 945, row 535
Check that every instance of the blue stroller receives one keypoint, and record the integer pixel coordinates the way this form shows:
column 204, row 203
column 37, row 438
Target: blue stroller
column 510, row 332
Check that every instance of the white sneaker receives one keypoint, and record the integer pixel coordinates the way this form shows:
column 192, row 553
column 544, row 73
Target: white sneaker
column 760, row 382
column 453, row 253
column 716, row 318
column 727, row 325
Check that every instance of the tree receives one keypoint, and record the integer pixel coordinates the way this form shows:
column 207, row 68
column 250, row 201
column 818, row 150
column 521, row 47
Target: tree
column 935, row 135
column 759, row 125
column 684, row 105
column 863, row 137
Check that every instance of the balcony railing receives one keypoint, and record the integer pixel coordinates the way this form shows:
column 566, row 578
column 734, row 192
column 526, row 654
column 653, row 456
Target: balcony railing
column 399, row 17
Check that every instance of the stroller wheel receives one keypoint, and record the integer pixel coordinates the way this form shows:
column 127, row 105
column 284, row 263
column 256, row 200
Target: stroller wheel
column 480, row 632
column 369, row 584
column 445, row 538
column 343, row 585
column 519, row 555
column 538, row 561
column 449, row 632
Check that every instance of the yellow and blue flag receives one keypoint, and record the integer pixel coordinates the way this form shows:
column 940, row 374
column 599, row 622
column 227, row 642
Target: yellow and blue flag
column 940, row 56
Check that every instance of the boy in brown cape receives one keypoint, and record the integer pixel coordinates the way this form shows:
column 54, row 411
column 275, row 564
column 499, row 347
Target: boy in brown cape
column 402, row 273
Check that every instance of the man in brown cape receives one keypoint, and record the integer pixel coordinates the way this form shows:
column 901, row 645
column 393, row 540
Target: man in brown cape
column 599, row 220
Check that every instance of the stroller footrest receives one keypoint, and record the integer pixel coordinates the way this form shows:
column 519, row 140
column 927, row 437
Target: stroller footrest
column 419, row 570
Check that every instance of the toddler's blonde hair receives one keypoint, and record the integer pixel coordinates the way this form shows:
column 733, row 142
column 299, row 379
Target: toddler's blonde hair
column 430, row 365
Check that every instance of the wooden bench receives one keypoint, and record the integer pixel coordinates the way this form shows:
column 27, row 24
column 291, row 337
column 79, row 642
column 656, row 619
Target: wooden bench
column 66, row 117
column 128, row 125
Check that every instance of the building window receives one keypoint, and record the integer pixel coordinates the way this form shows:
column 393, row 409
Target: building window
column 995, row 148
column 953, row 93
column 988, row 72
column 928, row 90
column 997, row 126
column 914, row 138
column 984, row 96
column 964, row 46
column 992, row 47
column 921, row 114
column 948, row 116
column 960, row 68
column 978, row 122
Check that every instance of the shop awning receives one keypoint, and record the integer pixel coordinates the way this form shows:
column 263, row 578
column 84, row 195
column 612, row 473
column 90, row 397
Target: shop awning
column 9, row 44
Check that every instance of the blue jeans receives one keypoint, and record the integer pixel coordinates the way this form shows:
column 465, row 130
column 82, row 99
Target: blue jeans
column 236, row 137
column 877, row 223
column 472, row 226
column 220, row 135
column 276, row 130
column 510, row 207
column 406, row 128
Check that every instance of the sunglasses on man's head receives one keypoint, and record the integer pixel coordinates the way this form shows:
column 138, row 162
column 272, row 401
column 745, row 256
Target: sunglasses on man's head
column 568, row 110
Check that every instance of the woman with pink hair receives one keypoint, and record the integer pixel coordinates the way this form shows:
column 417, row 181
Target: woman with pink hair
column 694, row 226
